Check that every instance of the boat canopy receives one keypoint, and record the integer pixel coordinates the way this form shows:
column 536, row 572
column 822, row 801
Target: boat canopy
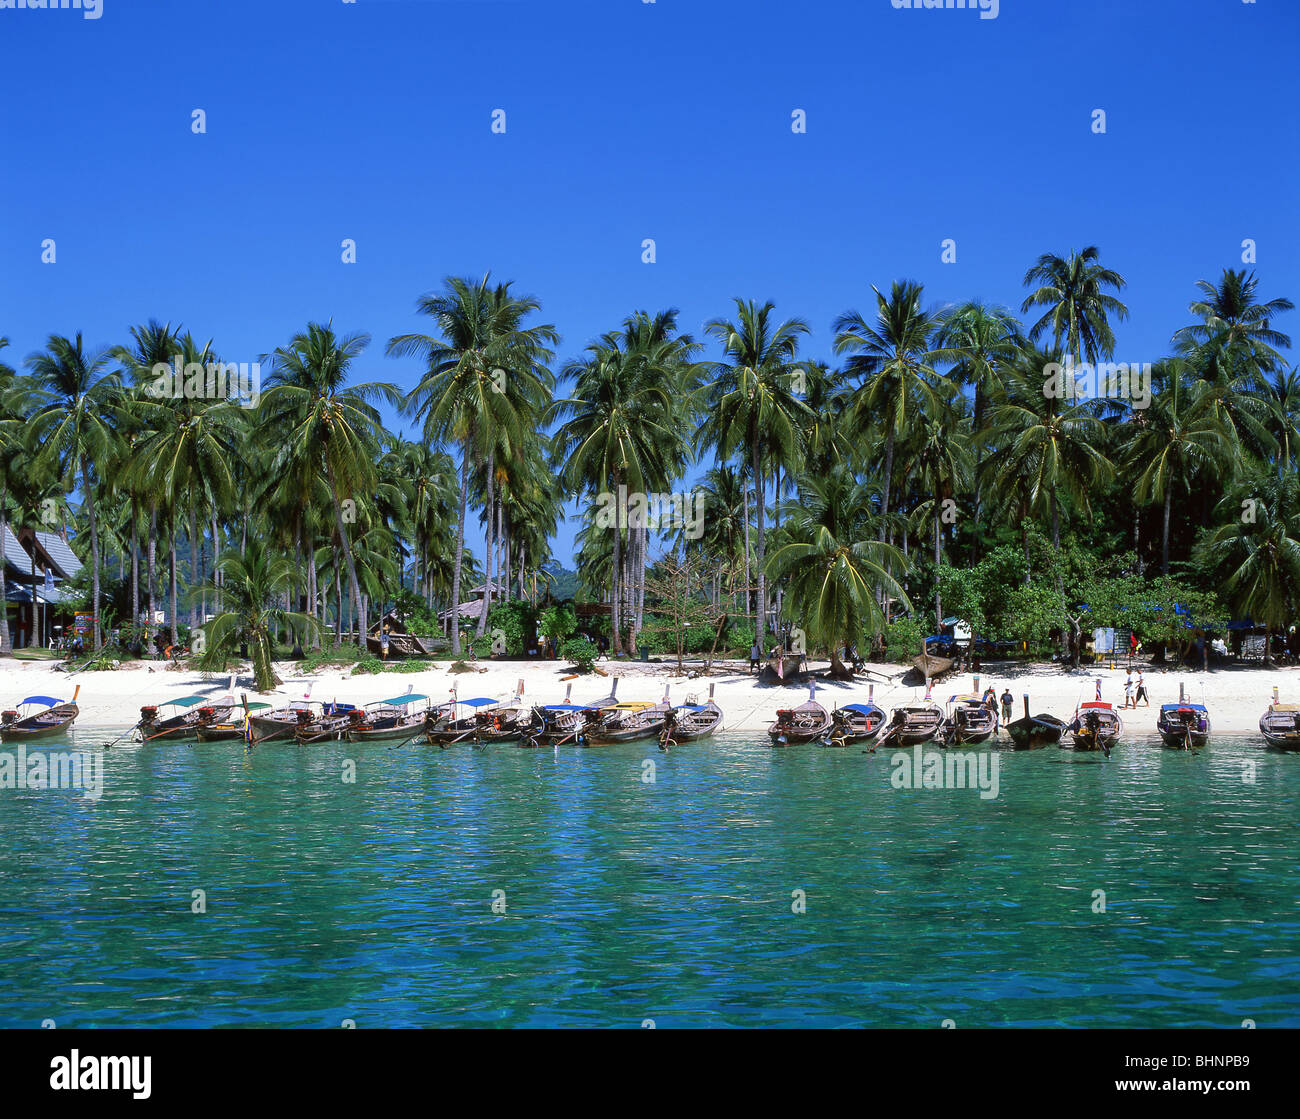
column 564, row 707
column 1183, row 707
column 1096, row 704
column 633, row 706
column 185, row 701
column 48, row 701
column 478, row 702
column 861, row 708
column 258, row 706
column 1283, row 707
column 969, row 697
column 400, row 700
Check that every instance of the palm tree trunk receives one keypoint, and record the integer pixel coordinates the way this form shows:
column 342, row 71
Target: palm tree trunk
column 217, row 578
column 151, row 564
column 6, row 648
column 135, row 561
column 1164, row 536
column 488, row 546
column 89, row 496
column 748, row 600
column 616, row 564
column 454, row 621
column 194, row 565
column 938, row 598
column 347, row 555
column 173, row 624
column 760, row 614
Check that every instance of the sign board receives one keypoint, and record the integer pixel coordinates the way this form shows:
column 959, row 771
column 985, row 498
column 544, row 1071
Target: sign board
column 1103, row 641
column 84, row 623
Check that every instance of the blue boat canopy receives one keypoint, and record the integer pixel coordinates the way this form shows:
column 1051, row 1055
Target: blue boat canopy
column 564, row 707
column 478, row 702
column 861, row 708
column 1178, row 706
column 47, row 700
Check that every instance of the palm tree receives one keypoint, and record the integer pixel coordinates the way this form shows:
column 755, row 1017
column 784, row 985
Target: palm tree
column 331, row 425
column 11, row 435
column 1078, row 308
column 1172, row 443
column 1257, row 559
column 485, row 378
column 1235, row 331
column 894, row 361
column 833, row 566
column 76, row 399
column 186, row 456
column 1284, row 413
column 621, row 432
column 943, row 466
column 152, row 345
column 980, row 342
column 1047, row 447
column 749, row 406
column 254, row 582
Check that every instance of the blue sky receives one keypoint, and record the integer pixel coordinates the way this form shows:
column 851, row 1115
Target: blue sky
column 627, row 121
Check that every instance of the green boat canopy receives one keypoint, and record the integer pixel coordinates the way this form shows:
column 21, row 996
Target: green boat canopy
column 186, row 701
column 400, row 700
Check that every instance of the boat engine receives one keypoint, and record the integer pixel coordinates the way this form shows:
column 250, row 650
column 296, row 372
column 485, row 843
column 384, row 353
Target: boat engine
column 8, row 717
column 148, row 714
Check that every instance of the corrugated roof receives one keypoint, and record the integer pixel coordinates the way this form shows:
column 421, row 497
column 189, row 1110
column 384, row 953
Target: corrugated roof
column 66, row 564
column 59, row 551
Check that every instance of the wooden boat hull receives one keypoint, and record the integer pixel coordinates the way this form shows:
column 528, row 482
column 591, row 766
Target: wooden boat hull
column 1035, row 732
column 57, row 720
column 1281, row 729
column 695, row 727
column 398, row 732
column 850, row 727
column 220, row 732
column 933, row 667
column 805, row 723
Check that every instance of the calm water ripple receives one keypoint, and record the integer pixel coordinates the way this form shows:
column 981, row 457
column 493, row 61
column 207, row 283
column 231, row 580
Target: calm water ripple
column 672, row 901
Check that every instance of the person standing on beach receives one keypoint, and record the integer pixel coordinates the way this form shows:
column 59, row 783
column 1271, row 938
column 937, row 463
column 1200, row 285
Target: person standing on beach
column 383, row 642
column 1141, row 692
column 1008, row 701
column 1128, row 691
column 753, row 656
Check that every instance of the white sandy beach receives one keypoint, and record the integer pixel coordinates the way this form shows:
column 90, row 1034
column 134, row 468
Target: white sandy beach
column 1236, row 696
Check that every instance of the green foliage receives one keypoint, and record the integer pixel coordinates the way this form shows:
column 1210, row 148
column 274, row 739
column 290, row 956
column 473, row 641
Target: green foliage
column 740, row 636
column 336, row 656
column 558, row 621
column 579, row 652
column 902, row 640
column 1147, row 606
column 517, row 620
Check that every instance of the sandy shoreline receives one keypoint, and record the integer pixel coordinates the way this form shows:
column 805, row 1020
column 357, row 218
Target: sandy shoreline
column 1236, row 696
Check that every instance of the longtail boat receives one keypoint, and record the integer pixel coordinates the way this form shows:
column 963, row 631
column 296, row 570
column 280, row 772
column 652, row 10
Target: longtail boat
column 476, row 721
column 1096, row 726
column 800, row 724
column 627, row 722
column 48, row 717
column 1280, row 725
column 192, row 712
column 1035, row 731
column 563, row 724
column 387, row 719
column 690, row 721
column 1183, row 725
column 855, row 722
column 968, row 722
column 910, row 724
column 232, row 726
column 282, row 722
column 784, row 667
column 401, row 643
column 326, row 725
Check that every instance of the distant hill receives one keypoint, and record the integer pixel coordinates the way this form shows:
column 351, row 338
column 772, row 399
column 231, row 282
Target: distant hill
column 564, row 583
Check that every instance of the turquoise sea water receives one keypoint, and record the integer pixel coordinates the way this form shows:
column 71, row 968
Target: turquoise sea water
column 672, row 901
